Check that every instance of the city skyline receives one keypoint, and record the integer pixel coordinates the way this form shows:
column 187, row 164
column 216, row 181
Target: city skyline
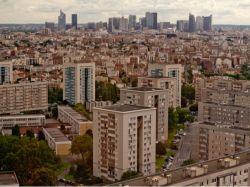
column 23, row 11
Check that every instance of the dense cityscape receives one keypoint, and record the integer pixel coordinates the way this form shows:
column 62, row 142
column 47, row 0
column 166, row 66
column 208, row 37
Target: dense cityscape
column 127, row 102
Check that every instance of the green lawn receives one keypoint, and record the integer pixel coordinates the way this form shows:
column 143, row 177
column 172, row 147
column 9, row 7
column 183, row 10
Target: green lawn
column 159, row 162
column 69, row 177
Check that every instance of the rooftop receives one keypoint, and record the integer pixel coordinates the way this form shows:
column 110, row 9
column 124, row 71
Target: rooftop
column 56, row 134
column 125, row 108
column 145, row 89
column 212, row 166
column 78, row 117
column 8, row 179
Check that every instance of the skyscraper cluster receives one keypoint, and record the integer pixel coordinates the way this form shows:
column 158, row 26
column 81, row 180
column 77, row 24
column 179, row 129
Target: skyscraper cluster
column 200, row 23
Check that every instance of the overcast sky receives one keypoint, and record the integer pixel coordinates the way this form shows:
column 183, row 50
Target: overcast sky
column 39, row 11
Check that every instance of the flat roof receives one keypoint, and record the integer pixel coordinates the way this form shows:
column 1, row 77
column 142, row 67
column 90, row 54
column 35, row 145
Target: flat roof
column 77, row 116
column 8, row 179
column 145, row 89
column 56, row 134
column 125, row 108
column 23, row 116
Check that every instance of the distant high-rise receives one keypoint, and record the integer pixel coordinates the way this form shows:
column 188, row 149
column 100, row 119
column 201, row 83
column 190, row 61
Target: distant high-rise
column 182, row 25
column 207, row 23
column 123, row 24
column 151, row 20
column 78, row 82
column 6, row 72
column 192, row 23
column 62, row 21
column 143, row 22
column 74, row 21
column 132, row 21
column 199, row 23
column 50, row 25
column 113, row 24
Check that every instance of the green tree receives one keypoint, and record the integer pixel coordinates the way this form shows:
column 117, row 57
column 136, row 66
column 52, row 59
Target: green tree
column 194, row 108
column 129, row 174
column 188, row 92
column 30, row 133
column 188, row 162
column 16, row 131
column 190, row 76
column 173, row 118
column 160, row 148
column 83, row 145
column 43, row 177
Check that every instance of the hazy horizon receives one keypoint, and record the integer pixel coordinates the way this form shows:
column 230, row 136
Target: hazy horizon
column 37, row 12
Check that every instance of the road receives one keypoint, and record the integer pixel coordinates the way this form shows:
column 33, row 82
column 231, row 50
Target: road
column 185, row 148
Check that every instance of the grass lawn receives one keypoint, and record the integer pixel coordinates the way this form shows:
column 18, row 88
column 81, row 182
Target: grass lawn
column 69, row 177
column 159, row 162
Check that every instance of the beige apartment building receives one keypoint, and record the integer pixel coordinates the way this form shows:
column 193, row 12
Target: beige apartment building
column 123, row 139
column 224, row 115
column 22, row 97
column 168, row 70
column 233, row 170
column 150, row 97
column 164, row 83
column 79, row 124
column 57, row 141
column 215, row 142
column 22, row 121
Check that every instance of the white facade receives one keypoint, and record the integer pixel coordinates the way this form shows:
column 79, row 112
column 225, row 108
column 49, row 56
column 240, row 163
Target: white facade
column 78, row 82
column 124, row 139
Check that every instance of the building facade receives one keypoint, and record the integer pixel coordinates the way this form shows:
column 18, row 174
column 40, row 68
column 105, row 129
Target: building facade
column 62, row 21
column 151, row 20
column 79, row 124
column 57, row 141
column 124, row 139
column 22, row 121
column 16, row 98
column 74, row 21
column 164, row 83
column 78, row 82
column 150, row 97
column 6, row 72
column 168, row 70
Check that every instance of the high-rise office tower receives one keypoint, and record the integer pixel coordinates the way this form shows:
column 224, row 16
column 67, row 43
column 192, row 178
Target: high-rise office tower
column 123, row 140
column 143, row 22
column 192, row 23
column 199, row 23
column 182, row 25
column 151, row 20
column 78, row 82
column 150, row 97
column 62, row 21
column 123, row 24
column 74, row 21
column 168, row 70
column 113, row 24
column 50, row 25
column 132, row 21
column 6, row 72
column 208, row 23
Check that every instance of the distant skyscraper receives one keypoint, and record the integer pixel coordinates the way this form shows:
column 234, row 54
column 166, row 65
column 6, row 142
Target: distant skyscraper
column 78, row 82
column 151, row 20
column 192, row 23
column 132, row 21
column 74, row 21
column 199, row 23
column 113, row 24
column 50, row 25
column 208, row 23
column 143, row 22
column 6, row 72
column 123, row 24
column 62, row 21
column 182, row 25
